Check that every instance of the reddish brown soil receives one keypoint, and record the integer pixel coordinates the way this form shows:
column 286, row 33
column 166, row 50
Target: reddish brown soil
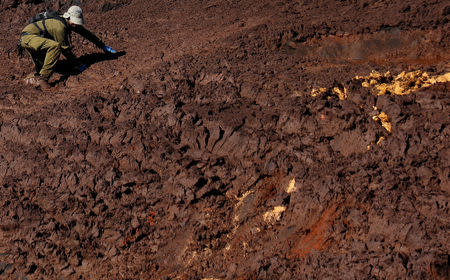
column 173, row 160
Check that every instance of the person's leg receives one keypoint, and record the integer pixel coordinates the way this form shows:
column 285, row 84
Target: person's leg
column 32, row 44
column 51, row 58
column 44, row 52
column 38, row 60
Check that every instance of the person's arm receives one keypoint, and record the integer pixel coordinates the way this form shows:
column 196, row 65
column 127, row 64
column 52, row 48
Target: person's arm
column 94, row 39
column 89, row 36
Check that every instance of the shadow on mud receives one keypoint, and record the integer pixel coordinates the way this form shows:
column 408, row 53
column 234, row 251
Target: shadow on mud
column 66, row 69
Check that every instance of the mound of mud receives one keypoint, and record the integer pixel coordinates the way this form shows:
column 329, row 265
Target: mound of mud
column 232, row 140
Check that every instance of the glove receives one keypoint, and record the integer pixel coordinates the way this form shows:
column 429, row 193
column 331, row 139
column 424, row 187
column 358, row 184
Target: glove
column 108, row 49
column 82, row 68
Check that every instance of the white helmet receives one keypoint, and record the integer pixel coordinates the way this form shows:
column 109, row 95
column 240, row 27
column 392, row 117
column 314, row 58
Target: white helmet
column 75, row 15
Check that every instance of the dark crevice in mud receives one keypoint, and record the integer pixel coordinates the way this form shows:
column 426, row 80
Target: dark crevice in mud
column 207, row 135
column 212, row 193
column 221, row 134
column 201, row 182
column 219, row 162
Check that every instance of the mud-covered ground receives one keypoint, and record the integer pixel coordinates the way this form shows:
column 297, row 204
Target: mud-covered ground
column 231, row 140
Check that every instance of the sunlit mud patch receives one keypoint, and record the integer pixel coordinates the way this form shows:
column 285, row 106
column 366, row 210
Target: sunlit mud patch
column 291, row 186
column 339, row 91
column 274, row 215
column 318, row 91
column 387, row 83
column 402, row 84
column 382, row 118
column 380, row 140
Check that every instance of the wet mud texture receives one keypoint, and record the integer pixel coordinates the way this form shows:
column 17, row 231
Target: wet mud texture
column 201, row 153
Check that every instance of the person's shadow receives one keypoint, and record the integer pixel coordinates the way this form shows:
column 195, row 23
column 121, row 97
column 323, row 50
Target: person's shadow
column 66, row 69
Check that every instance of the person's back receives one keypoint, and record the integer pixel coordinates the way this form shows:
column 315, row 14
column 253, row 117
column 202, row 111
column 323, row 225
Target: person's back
column 56, row 30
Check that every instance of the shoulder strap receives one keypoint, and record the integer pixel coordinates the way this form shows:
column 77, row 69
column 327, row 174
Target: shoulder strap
column 37, row 26
column 63, row 20
column 45, row 28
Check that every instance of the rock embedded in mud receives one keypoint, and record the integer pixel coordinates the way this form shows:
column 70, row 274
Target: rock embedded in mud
column 138, row 85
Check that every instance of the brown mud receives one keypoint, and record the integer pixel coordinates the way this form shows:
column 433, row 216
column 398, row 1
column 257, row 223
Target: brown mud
column 231, row 140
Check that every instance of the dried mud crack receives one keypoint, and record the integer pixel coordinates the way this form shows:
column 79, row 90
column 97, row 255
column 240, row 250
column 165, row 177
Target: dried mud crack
column 232, row 140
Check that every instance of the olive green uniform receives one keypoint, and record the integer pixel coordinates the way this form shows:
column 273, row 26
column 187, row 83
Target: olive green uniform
column 45, row 51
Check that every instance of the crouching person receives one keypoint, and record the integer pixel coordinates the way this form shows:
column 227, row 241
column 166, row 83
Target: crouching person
column 47, row 36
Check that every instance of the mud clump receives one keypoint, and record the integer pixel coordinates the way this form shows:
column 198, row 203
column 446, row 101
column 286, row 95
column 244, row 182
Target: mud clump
column 274, row 141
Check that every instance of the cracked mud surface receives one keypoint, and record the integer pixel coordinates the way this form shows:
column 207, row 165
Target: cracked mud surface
column 232, row 140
